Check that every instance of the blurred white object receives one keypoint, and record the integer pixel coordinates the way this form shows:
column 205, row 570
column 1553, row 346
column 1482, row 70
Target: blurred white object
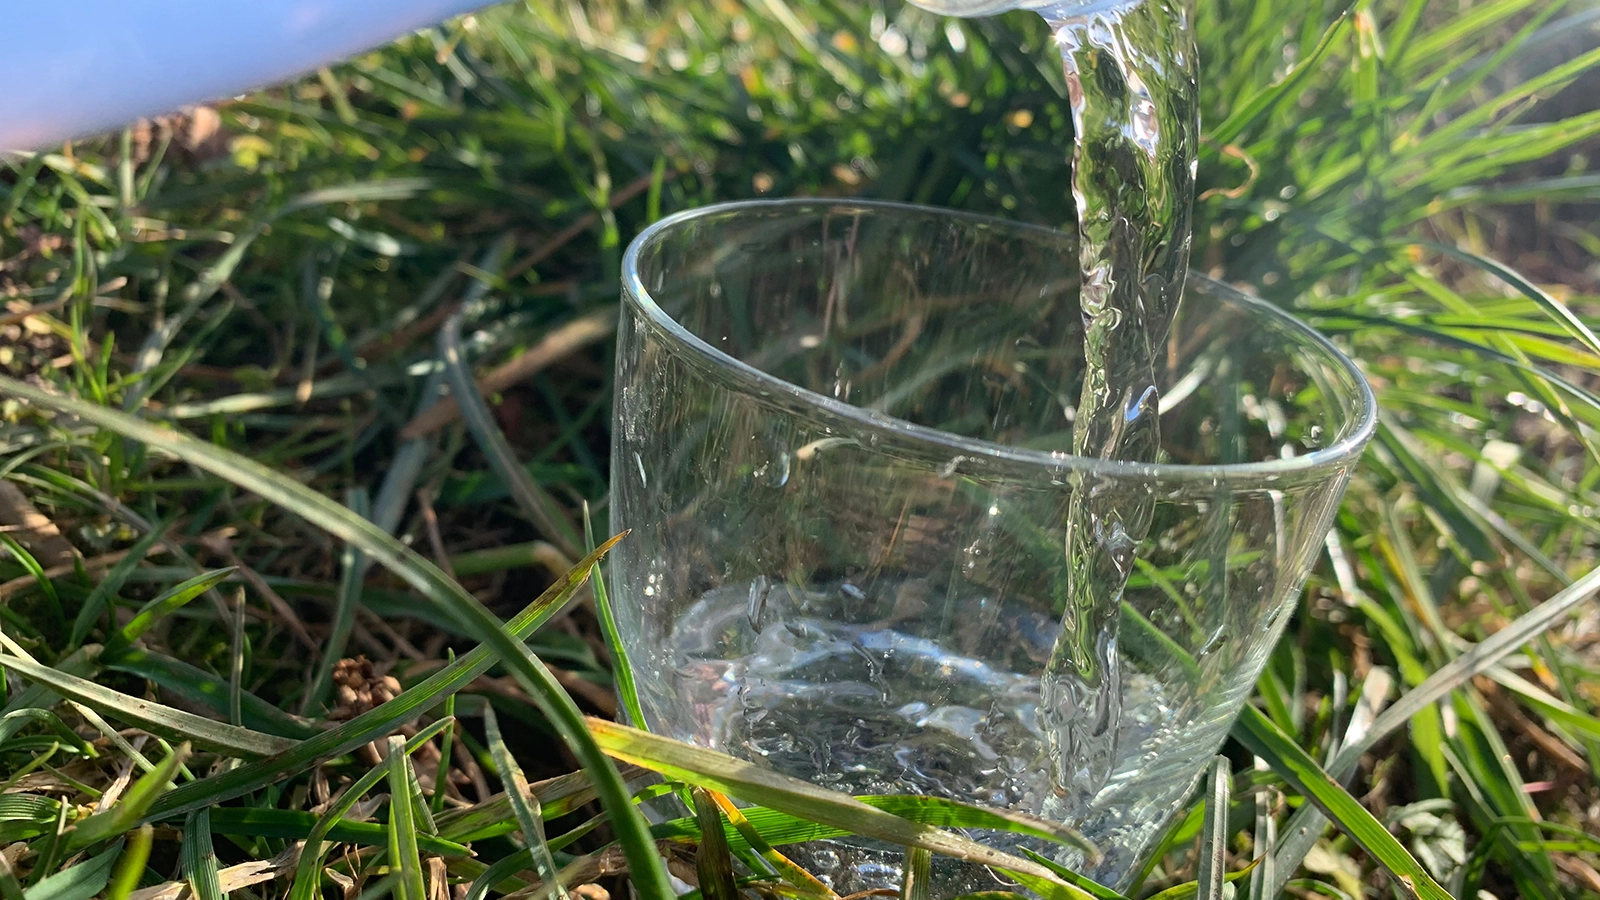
column 79, row 67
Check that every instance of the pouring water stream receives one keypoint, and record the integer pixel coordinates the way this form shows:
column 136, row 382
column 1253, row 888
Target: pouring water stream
column 1130, row 67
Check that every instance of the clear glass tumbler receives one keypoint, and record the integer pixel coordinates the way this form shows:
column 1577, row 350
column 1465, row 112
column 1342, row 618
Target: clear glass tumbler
column 842, row 445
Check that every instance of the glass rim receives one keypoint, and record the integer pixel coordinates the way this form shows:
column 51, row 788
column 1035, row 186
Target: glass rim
column 1343, row 451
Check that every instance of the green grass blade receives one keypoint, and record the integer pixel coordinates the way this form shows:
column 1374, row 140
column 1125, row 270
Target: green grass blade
column 802, row 880
column 115, row 737
column 33, row 568
column 1569, row 188
column 79, row 882
column 400, row 480
column 1466, row 666
column 205, row 689
column 1552, row 307
column 1214, row 836
column 1496, row 787
column 141, row 795
column 1092, row 888
column 49, row 851
column 403, row 822
column 571, row 835
column 110, row 583
column 237, row 650
column 441, row 772
column 533, row 500
column 19, row 806
column 26, row 176
column 738, row 778
column 779, row 828
column 1459, row 29
column 1558, row 711
column 1248, row 112
column 130, row 866
column 1192, row 889
column 37, row 696
column 307, row 883
column 1307, row 824
column 621, row 666
column 12, row 722
column 557, row 797
column 713, row 862
column 945, row 813
column 233, row 740
column 199, row 858
column 499, row 559
column 524, row 805
column 1265, row 740
column 425, row 824
column 1264, row 839
column 252, row 401
column 915, row 877
column 1492, row 354
column 382, row 720
column 298, row 824
column 497, row 873
column 162, row 606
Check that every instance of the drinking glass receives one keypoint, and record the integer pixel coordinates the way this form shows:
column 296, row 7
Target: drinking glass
column 842, row 446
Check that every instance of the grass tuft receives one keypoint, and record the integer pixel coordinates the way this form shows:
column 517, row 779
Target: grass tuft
column 216, row 323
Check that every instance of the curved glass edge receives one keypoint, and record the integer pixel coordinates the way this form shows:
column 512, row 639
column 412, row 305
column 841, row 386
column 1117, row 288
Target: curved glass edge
column 740, row 376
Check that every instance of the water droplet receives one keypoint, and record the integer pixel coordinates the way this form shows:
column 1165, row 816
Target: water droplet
column 972, row 553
